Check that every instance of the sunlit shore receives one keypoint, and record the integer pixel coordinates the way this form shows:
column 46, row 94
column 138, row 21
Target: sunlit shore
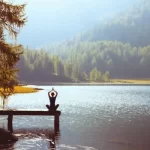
column 112, row 82
column 131, row 81
column 24, row 89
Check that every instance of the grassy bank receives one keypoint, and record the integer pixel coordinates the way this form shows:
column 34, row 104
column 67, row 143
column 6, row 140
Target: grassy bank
column 130, row 81
column 23, row 89
column 112, row 82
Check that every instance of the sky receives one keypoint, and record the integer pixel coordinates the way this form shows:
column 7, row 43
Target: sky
column 57, row 20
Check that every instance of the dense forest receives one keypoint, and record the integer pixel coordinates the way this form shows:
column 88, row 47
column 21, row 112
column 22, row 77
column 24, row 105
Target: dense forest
column 120, row 48
column 42, row 66
column 94, row 61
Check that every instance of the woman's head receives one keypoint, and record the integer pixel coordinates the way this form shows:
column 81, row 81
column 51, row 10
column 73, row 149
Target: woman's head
column 52, row 94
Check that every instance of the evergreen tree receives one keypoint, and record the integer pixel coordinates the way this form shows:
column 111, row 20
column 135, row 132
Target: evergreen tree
column 11, row 19
column 99, row 76
column 106, row 76
column 93, row 74
column 84, row 76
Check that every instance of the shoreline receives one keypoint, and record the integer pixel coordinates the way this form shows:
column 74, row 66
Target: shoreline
column 22, row 89
column 113, row 82
column 89, row 84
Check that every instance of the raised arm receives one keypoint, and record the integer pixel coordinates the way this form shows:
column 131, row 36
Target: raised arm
column 51, row 91
column 49, row 94
column 56, row 93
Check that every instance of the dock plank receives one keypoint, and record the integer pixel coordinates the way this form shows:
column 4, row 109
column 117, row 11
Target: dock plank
column 30, row 112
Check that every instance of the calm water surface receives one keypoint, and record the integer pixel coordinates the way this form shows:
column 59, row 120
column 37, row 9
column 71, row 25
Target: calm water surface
column 93, row 118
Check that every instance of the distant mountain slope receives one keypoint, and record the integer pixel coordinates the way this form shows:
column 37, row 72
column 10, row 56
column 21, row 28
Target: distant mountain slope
column 52, row 21
column 131, row 27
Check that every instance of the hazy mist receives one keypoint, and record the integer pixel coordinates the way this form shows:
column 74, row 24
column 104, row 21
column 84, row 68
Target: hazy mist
column 56, row 20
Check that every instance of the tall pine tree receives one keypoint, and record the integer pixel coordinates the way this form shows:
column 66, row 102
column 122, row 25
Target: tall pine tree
column 12, row 18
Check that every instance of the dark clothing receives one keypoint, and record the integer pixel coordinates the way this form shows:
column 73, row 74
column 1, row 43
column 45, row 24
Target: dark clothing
column 52, row 103
column 48, row 107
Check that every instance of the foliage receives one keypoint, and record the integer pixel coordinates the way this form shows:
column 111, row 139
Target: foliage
column 11, row 19
column 117, row 49
column 45, row 66
column 119, row 59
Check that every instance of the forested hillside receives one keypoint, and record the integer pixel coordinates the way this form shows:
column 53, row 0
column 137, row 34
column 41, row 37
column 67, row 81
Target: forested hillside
column 118, row 49
column 94, row 61
column 41, row 66
column 132, row 26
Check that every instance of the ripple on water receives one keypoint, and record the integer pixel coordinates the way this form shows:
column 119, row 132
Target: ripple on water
column 91, row 116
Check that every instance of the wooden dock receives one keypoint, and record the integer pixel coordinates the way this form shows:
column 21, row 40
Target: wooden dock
column 11, row 113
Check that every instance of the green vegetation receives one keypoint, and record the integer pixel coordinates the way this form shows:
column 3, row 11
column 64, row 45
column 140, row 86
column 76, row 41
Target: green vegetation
column 11, row 19
column 85, row 61
column 120, row 48
column 38, row 66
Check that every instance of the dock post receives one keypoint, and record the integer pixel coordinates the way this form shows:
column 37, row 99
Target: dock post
column 10, row 123
column 56, row 123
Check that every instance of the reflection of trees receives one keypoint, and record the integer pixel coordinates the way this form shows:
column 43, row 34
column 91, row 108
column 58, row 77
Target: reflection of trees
column 3, row 103
column 7, row 146
column 50, row 134
column 54, row 137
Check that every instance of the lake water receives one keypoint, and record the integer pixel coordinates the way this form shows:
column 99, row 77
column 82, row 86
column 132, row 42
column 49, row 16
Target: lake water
column 93, row 118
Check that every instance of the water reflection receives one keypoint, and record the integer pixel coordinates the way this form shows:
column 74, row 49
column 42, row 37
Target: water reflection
column 107, row 118
column 33, row 139
column 3, row 103
column 7, row 146
column 40, row 138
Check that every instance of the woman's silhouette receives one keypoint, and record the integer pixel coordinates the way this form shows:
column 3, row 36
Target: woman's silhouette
column 52, row 98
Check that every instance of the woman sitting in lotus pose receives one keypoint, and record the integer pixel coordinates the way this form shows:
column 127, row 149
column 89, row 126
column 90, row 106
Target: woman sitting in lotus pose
column 52, row 98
